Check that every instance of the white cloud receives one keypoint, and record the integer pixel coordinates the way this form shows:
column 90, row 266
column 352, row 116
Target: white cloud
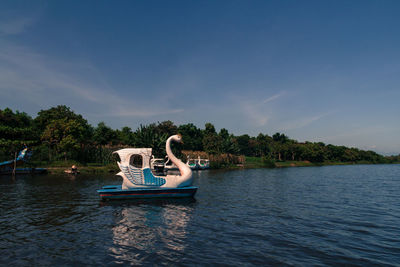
column 303, row 122
column 272, row 98
column 146, row 113
column 36, row 79
column 257, row 112
column 257, row 117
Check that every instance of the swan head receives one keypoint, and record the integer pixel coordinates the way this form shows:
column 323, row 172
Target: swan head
column 177, row 138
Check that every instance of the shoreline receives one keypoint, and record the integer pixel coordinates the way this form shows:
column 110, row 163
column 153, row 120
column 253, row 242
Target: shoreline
column 252, row 164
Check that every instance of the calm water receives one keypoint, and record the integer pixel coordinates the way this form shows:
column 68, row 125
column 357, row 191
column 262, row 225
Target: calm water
column 330, row 215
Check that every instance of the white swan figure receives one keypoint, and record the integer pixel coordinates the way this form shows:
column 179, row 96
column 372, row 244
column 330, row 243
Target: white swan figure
column 134, row 177
column 185, row 177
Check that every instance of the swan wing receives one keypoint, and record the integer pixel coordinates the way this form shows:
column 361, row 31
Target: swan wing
column 134, row 175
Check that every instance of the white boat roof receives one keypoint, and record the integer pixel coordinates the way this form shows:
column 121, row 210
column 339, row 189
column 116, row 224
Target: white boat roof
column 125, row 153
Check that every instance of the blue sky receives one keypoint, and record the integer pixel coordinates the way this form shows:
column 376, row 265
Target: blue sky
column 324, row 71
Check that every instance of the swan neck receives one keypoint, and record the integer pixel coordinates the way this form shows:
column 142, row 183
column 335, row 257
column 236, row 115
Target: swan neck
column 186, row 172
column 171, row 156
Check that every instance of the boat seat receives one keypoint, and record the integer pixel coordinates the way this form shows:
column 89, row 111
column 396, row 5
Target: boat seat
column 140, row 176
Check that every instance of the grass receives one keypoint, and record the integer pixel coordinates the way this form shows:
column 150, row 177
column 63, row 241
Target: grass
column 58, row 167
column 256, row 162
column 85, row 169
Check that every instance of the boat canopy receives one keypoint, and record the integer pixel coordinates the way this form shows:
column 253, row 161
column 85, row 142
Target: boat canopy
column 126, row 153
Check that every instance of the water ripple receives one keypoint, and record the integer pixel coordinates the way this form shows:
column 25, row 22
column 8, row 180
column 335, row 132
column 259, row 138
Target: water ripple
column 339, row 215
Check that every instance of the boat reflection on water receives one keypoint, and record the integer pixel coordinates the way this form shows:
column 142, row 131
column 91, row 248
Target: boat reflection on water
column 150, row 230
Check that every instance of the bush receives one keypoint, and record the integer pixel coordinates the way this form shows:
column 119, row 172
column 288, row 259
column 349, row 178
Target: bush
column 268, row 162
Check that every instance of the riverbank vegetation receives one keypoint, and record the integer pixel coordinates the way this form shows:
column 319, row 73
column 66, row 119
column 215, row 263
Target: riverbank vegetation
column 59, row 136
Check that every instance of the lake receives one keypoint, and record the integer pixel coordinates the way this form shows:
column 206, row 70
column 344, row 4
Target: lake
column 331, row 215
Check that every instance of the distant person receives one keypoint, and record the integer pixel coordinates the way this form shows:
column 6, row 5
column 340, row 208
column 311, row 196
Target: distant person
column 74, row 169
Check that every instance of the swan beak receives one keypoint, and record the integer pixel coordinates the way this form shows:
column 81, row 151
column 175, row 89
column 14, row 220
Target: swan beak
column 181, row 140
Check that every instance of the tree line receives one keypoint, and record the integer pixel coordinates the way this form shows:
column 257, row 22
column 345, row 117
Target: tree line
column 58, row 133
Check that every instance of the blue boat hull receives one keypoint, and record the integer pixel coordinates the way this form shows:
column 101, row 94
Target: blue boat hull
column 116, row 192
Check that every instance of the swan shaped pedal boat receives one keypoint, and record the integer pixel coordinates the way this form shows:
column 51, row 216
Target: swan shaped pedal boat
column 140, row 182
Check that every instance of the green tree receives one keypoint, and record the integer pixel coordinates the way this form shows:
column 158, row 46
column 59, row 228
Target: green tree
column 212, row 142
column 149, row 136
column 66, row 136
column 228, row 142
column 264, row 145
column 16, row 131
column 192, row 137
column 55, row 113
column 126, row 136
column 278, row 137
column 279, row 146
column 243, row 144
column 104, row 135
column 63, row 131
column 166, row 127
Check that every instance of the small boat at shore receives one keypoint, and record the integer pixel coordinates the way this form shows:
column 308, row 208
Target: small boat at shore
column 139, row 182
column 10, row 166
column 72, row 171
column 203, row 163
column 157, row 164
column 192, row 163
column 23, row 156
